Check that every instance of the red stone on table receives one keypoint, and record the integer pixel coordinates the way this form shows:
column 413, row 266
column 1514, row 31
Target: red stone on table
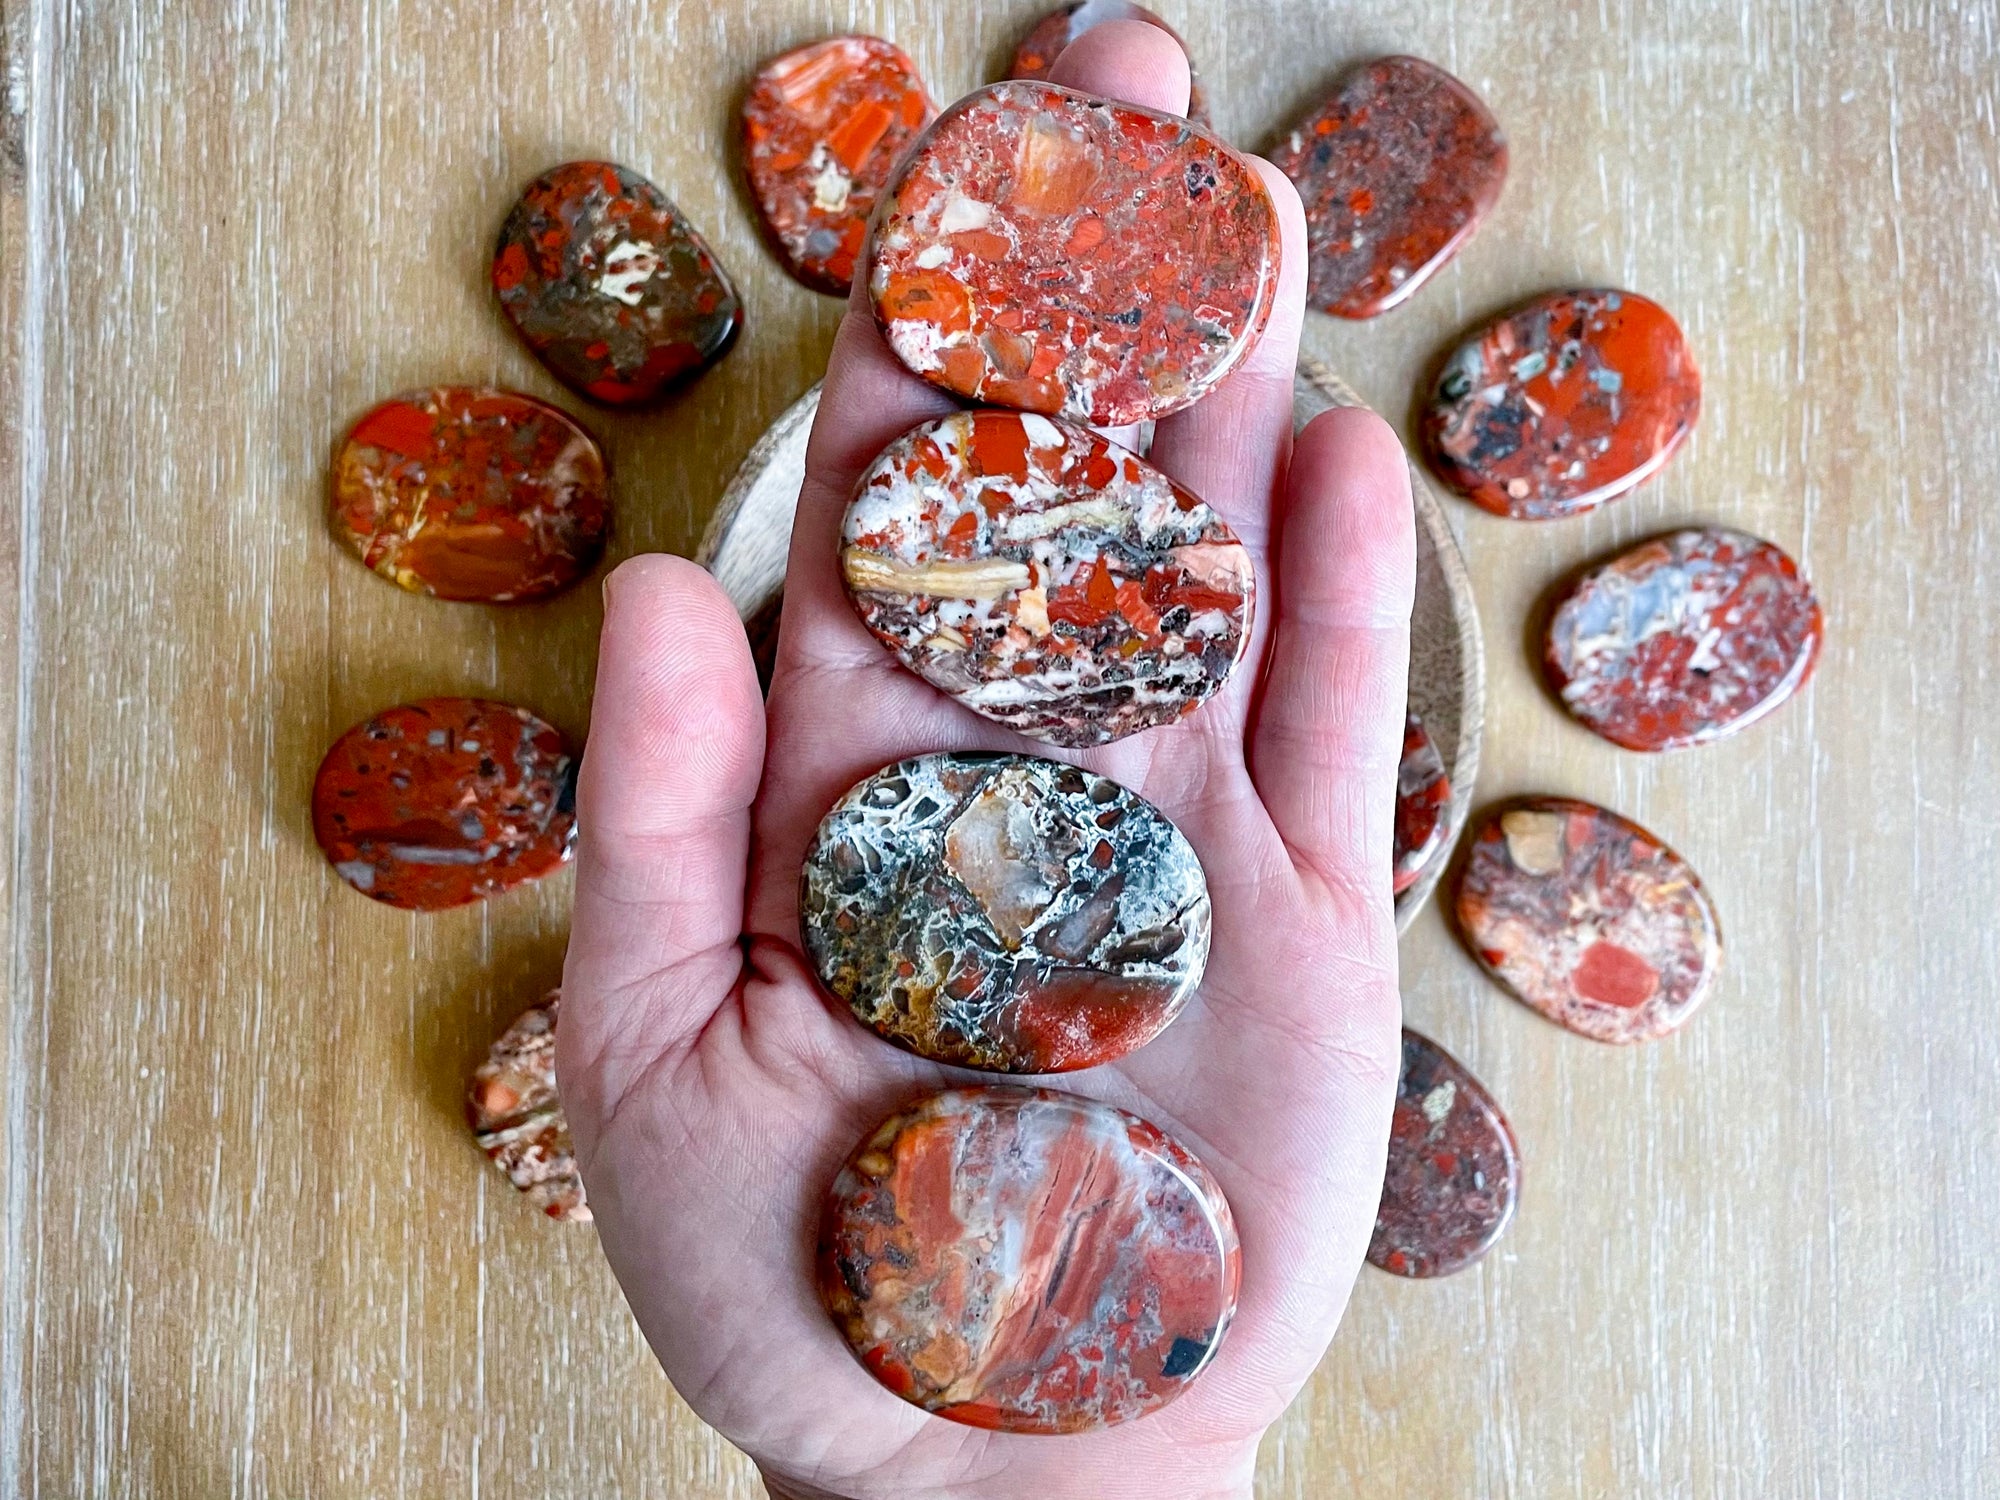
column 472, row 494
column 444, row 801
column 1454, row 1172
column 1396, row 170
column 518, row 1119
column 1004, row 912
column 822, row 127
column 1028, row 1261
column 1045, row 577
column 1683, row 639
column 1589, row 919
column 1563, row 404
column 1422, row 792
column 1056, row 253
column 610, row 285
column 1038, row 52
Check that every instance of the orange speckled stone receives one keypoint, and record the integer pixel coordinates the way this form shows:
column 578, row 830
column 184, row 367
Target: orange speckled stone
column 610, row 286
column 1563, row 404
column 1422, row 790
column 1041, row 47
column 1060, row 254
column 517, row 1116
column 822, row 127
column 472, row 494
column 1396, row 170
column 1589, row 919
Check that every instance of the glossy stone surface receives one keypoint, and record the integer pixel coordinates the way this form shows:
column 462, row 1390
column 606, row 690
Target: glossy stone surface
column 1028, row 1261
column 1422, row 791
column 1684, row 639
column 1589, row 919
column 1004, row 912
column 1041, row 47
column 610, row 285
column 444, row 801
column 473, row 494
column 822, row 126
column 1055, row 253
column 518, row 1120
column 1395, row 169
column 1454, row 1172
column 1046, row 577
column 1563, row 404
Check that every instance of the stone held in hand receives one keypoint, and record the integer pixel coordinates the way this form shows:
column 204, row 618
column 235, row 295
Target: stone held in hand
column 1004, row 912
column 1045, row 577
column 1422, row 793
column 1589, row 919
column 610, row 285
column 471, row 494
column 822, row 127
column 1045, row 250
column 518, row 1119
column 1028, row 1261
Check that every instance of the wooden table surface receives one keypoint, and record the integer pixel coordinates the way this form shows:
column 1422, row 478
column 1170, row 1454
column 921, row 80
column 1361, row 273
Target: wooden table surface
column 249, row 1248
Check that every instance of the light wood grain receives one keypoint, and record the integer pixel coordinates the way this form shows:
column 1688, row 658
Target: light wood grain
column 248, row 1248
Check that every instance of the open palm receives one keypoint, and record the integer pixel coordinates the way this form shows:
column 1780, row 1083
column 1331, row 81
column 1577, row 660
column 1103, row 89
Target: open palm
column 714, row 1089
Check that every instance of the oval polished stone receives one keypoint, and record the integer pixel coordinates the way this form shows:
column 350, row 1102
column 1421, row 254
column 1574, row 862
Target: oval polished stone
column 1422, row 790
column 1683, row 639
column 610, row 285
column 1589, row 919
column 444, row 801
column 1454, row 1172
column 1563, row 404
column 1041, row 47
column 518, row 1120
column 1045, row 577
column 472, row 494
column 1056, row 253
column 822, row 127
column 1004, row 912
column 1028, row 1261
column 1396, row 170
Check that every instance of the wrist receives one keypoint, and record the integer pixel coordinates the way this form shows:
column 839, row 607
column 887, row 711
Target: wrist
column 1232, row 1480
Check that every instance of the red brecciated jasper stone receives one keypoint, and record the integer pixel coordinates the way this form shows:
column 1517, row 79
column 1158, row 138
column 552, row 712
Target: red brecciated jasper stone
column 1037, row 54
column 1422, row 791
column 610, row 286
column 1028, row 1261
column 822, row 127
column 1056, row 253
column 1396, row 170
column 1589, row 919
column 518, row 1120
column 1454, row 1172
column 1683, row 639
column 472, row 494
column 444, row 801
column 1563, row 405
column 1045, row 577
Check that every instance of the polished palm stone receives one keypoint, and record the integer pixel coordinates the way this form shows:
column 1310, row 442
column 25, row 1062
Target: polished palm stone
column 518, row 1119
column 1453, row 1173
column 1683, row 640
column 1589, row 919
column 1395, row 169
column 1422, row 791
column 472, row 494
column 1563, row 404
column 1051, row 35
column 1028, row 1261
column 610, row 286
column 822, row 127
column 1005, row 912
column 1045, row 577
column 1052, row 252
column 444, row 801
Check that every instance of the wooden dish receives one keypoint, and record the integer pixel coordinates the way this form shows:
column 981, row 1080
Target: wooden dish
column 747, row 540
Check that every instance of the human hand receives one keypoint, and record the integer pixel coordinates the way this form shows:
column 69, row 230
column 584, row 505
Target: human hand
column 713, row 1089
